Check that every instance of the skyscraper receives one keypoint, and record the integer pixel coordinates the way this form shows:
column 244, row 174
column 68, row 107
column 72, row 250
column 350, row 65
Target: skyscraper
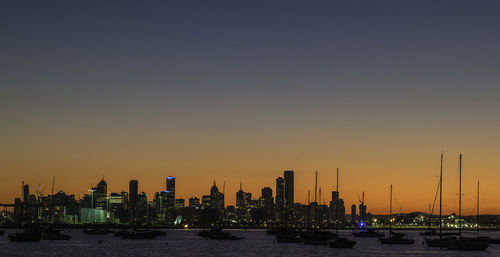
column 353, row 213
column 133, row 188
column 216, row 197
column 337, row 208
column 267, row 196
column 101, row 194
column 289, row 201
column 240, row 197
column 170, row 191
column 280, row 192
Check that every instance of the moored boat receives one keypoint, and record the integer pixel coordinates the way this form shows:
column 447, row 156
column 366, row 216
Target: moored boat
column 225, row 237
column 341, row 242
column 439, row 242
column 287, row 235
column 53, row 234
column 467, row 243
column 96, row 231
column 138, row 235
column 367, row 233
column 28, row 235
column 394, row 238
column 316, row 237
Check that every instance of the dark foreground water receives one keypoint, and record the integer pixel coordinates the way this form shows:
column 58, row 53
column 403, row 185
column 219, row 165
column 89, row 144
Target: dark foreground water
column 186, row 243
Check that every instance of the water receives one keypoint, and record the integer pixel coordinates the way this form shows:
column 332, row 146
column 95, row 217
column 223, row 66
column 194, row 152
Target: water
column 186, row 243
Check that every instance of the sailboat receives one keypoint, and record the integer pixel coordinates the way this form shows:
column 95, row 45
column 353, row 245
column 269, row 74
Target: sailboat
column 315, row 236
column 443, row 239
column 394, row 238
column 340, row 242
column 53, row 234
column 467, row 243
column 31, row 233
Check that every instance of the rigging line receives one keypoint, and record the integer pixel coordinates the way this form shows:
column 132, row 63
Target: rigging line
column 434, row 203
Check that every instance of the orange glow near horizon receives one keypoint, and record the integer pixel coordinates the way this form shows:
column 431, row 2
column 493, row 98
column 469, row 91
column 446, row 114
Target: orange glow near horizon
column 413, row 173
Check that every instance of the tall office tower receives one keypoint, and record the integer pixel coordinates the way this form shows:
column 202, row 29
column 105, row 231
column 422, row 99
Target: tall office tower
column 102, row 187
column 337, row 208
column 280, row 193
column 133, row 194
column 335, row 196
column 353, row 213
column 26, row 202
column 240, row 198
column 268, row 203
column 101, row 194
column 170, row 190
column 26, row 193
column 267, row 196
column 289, row 188
column 216, row 197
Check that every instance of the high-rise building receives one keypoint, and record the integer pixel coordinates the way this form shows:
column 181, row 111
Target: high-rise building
column 280, row 193
column 240, row 198
column 133, row 194
column 353, row 213
column 267, row 196
column 101, row 194
column 216, row 197
column 289, row 200
column 170, row 191
column 26, row 202
column 243, row 199
column 337, row 208
column 267, row 201
column 26, row 194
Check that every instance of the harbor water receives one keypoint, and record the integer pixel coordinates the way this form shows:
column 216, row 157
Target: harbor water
column 187, row 243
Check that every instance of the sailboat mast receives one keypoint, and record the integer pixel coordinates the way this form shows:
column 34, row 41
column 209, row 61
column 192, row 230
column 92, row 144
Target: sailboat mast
column 390, row 210
column 337, row 179
column 460, row 197
column 477, row 219
column 319, row 203
column 441, row 199
column 337, row 205
column 316, row 187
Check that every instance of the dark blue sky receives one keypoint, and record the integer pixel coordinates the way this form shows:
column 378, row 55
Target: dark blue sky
column 100, row 82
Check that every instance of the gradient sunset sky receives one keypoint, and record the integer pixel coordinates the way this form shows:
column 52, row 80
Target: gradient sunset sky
column 234, row 90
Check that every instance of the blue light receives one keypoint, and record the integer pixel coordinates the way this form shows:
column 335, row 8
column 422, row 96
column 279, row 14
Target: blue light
column 362, row 224
column 170, row 177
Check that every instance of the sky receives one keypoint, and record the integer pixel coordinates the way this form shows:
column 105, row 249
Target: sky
column 243, row 90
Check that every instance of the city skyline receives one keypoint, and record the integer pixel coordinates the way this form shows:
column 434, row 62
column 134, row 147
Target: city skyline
column 230, row 198
column 243, row 91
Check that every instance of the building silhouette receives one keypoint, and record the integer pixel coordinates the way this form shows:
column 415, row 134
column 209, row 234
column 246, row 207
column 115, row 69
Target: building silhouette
column 280, row 200
column 353, row 213
column 289, row 188
column 194, row 202
column 170, row 192
column 133, row 195
column 216, row 197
